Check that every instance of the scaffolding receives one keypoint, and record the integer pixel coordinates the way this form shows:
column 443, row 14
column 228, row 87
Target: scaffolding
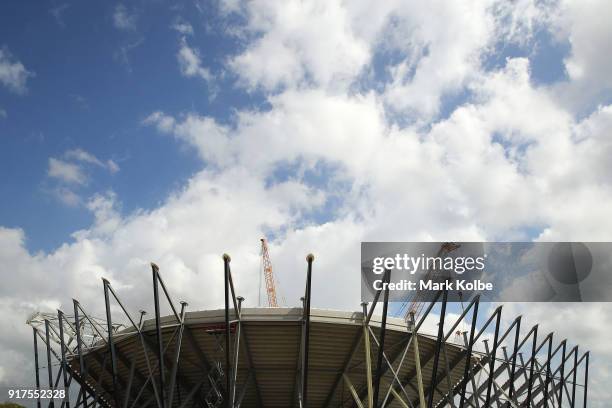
column 207, row 359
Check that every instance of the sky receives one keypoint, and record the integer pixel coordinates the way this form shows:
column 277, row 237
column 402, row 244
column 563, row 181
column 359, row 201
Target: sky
column 145, row 131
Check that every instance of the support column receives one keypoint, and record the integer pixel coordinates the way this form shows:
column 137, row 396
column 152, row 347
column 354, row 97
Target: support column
column 305, row 364
column 352, row 390
column 111, row 344
column 49, row 366
column 178, row 345
column 494, row 352
column 36, row 365
column 533, row 359
column 514, row 352
column 417, row 360
column 368, row 360
column 60, row 318
column 228, row 367
column 82, row 369
column 586, row 378
column 160, row 342
column 381, row 346
column 439, row 341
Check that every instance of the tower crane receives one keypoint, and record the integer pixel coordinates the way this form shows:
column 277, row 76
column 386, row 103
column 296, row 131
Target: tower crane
column 268, row 274
column 414, row 306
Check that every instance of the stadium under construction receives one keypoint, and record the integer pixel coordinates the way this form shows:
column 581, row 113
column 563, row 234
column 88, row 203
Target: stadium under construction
column 301, row 356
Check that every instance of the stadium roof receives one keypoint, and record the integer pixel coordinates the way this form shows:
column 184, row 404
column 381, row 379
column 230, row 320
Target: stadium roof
column 268, row 363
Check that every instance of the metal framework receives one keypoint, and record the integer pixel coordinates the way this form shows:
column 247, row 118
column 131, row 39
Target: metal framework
column 491, row 367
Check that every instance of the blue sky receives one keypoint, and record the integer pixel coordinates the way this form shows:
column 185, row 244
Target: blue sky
column 85, row 93
column 133, row 132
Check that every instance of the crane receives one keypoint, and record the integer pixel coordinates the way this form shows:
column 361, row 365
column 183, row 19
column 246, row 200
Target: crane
column 415, row 305
column 268, row 274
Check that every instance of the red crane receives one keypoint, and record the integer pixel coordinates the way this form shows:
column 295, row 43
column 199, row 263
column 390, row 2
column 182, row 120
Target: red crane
column 268, row 274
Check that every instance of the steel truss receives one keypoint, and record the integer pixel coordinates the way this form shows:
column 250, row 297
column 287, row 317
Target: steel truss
column 514, row 370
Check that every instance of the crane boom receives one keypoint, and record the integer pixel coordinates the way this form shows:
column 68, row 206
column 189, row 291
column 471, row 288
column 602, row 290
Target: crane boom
column 268, row 274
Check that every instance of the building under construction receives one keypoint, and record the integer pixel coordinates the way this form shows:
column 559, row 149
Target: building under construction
column 301, row 356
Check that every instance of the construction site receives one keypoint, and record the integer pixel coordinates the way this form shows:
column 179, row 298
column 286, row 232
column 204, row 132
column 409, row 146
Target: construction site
column 379, row 355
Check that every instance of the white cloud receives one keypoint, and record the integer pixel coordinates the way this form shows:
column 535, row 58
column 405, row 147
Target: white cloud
column 123, row 19
column 66, row 196
column 299, row 42
column 71, row 174
column 513, row 157
column 58, row 13
column 86, row 157
column 13, row 73
column 123, row 53
column 3, row 114
column 190, row 62
column 182, row 27
column 66, row 172
column 585, row 26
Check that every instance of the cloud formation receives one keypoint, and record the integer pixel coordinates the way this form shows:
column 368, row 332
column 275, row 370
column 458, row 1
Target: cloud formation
column 190, row 62
column 13, row 73
column 123, row 19
column 351, row 145
column 71, row 173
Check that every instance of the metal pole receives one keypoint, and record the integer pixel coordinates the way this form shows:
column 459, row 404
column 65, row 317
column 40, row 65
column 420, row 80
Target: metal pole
column 49, row 367
column 178, row 344
column 533, row 359
column 381, row 347
column 236, row 350
column 562, row 379
column 160, row 342
column 36, row 366
column 417, row 361
column 468, row 356
column 548, row 373
column 60, row 318
column 77, row 325
column 111, row 345
column 352, row 390
column 494, row 352
column 368, row 361
column 586, row 378
column 434, row 373
column 228, row 367
column 309, row 259
column 574, row 379
column 514, row 351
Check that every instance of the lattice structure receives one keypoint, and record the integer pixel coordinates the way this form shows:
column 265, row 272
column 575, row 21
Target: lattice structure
column 298, row 357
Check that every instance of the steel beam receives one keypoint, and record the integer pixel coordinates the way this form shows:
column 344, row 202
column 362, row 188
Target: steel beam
column 49, row 366
column 368, row 360
column 178, row 344
column 492, row 359
column 514, row 351
column 381, row 346
column 586, row 378
column 228, row 367
column 353, row 350
column 351, row 388
column 144, row 341
column 36, row 369
column 160, row 341
column 417, row 361
column 60, row 318
column 111, row 344
column 77, row 324
column 305, row 359
column 533, row 355
column 439, row 340
column 468, row 357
